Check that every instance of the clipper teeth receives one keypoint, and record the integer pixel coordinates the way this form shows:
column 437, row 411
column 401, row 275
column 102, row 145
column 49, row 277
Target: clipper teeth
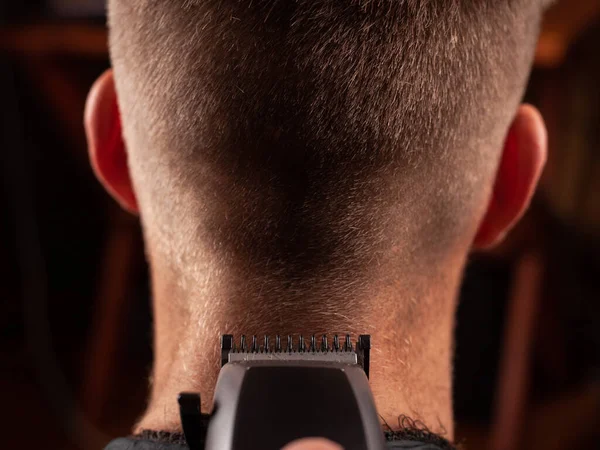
column 277, row 343
column 291, row 346
column 347, row 354
column 348, row 344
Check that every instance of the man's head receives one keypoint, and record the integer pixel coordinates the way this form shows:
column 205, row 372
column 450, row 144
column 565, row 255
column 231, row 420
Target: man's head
column 299, row 118
column 292, row 138
column 301, row 141
column 300, row 159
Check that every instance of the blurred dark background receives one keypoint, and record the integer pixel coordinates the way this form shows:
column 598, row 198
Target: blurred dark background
column 74, row 301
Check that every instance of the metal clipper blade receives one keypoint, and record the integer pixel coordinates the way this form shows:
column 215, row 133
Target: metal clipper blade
column 278, row 343
column 345, row 352
column 313, row 346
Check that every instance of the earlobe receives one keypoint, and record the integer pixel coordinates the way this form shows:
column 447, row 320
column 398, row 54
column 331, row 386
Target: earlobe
column 523, row 160
column 107, row 150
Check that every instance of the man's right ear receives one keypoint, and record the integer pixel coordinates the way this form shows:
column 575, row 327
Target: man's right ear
column 523, row 159
column 107, row 150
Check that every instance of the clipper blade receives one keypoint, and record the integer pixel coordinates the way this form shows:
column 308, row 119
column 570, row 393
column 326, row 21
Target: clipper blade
column 297, row 349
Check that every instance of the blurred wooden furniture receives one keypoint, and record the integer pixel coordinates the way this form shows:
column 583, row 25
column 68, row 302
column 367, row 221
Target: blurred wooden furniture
column 515, row 367
column 563, row 23
column 49, row 39
column 44, row 52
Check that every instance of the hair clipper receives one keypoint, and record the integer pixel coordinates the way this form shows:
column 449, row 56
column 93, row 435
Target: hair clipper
column 270, row 394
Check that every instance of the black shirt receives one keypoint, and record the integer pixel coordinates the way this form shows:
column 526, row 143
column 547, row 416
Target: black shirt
column 408, row 439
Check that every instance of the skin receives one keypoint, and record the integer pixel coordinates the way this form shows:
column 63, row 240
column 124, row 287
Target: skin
column 312, row 444
column 412, row 367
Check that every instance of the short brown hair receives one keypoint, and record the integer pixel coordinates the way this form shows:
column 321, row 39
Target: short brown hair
column 282, row 122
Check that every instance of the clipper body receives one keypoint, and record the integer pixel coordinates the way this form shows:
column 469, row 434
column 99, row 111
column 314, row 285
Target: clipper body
column 272, row 394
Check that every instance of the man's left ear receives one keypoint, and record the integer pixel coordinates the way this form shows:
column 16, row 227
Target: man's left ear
column 523, row 159
column 106, row 147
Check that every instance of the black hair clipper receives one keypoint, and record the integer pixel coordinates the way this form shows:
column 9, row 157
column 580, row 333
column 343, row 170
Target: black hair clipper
column 271, row 394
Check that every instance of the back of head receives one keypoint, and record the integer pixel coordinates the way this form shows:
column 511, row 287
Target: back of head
column 316, row 166
column 307, row 141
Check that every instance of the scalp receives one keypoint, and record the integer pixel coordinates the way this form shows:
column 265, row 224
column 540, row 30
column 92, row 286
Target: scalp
column 290, row 130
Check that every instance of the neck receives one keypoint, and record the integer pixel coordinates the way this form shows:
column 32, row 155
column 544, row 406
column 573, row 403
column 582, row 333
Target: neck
column 410, row 327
